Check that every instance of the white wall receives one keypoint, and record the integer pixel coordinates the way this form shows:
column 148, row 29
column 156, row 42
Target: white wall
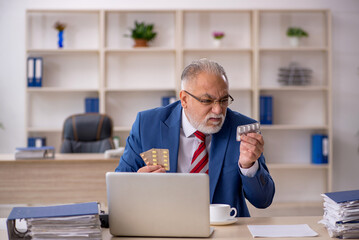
column 345, row 16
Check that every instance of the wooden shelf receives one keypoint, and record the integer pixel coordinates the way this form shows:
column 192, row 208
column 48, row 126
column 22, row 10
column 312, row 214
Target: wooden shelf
column 292, row 127
column 77, row 11
column 59, row 130
column 122, row 129
column 297, row 166
column 65, row 50
column 294, row 49
column 141, row 50
column 58, row 90
column 43, row 130
column 244, row 89
column 295, row 88
column 218, row 49
column 119, row 90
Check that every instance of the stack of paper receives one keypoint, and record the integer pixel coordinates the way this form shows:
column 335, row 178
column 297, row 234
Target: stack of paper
column 35, row 152
column 341, row 214
column 73, row 221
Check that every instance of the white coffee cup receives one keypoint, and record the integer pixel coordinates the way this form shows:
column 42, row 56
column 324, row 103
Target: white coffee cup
column 221, row 212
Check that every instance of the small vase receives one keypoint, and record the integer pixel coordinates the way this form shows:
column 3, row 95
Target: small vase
column 294, row 41
column 60, row 42
column 217, row 42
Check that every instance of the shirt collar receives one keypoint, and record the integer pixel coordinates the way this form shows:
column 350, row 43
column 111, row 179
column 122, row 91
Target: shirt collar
column 187, row 127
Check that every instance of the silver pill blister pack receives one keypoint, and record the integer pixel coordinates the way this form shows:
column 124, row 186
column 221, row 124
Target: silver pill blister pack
column 249, row 128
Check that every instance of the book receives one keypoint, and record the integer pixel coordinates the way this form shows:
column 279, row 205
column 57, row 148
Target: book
column 35, row 152
column 71, row 221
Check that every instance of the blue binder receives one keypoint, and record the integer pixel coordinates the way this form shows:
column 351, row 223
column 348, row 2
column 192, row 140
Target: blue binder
column 29, row 149
column 34, row 71
column 30, row 72
column 36, row 141
column 38, row 72
column 266, row 109
column 95, row 105
column 87, row 105
column 168, row 100
column 319, row 149
column 47, row 213
column 325, row 150
column 344, row 196
column 91, row 105
column 78, row 209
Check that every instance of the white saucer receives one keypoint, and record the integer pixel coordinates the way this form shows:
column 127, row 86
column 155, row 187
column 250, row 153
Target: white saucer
column 226, row 222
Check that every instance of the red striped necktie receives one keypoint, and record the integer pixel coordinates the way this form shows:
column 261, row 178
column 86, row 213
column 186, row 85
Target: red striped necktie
column 199, row 162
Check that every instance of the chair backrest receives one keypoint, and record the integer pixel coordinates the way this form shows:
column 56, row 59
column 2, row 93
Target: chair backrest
column 87, row 133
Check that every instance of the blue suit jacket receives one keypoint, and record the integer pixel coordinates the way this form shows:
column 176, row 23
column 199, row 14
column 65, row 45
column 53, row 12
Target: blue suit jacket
column 160, row 128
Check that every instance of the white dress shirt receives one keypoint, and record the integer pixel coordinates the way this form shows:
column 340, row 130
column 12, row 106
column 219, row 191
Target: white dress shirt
column 189, row 143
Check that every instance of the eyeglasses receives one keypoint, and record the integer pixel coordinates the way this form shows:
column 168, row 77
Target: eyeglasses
column 223, row 102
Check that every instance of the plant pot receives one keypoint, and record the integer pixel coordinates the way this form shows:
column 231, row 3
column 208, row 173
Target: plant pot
column 140, row 43
column 294, row 41
column 217, row 42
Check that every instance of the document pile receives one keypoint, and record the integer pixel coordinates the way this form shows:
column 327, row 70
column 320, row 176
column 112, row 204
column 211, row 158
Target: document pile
column 341, row 214
column 73, row 221
column 35, row 152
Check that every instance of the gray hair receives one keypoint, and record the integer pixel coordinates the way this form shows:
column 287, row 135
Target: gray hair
column 203, row 65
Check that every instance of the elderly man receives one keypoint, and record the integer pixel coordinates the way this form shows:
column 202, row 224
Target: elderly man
column 200, row 133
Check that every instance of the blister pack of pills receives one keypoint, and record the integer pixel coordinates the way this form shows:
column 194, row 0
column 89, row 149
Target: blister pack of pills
column 157, row 156
column 249, row 128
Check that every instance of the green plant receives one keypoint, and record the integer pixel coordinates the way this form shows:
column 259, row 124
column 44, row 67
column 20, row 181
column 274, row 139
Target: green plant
column 218, row 35
column 1, row 126
column 142, row 31
column 296, row 32
column 60, row 26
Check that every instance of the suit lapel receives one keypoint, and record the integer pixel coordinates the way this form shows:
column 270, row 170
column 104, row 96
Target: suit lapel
column 170, row 131
column 219, row 145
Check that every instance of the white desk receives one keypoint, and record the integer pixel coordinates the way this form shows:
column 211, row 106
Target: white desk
column 69, row 178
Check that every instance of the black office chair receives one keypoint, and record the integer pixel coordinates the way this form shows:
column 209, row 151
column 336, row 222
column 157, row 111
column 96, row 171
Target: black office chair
column 87, row 133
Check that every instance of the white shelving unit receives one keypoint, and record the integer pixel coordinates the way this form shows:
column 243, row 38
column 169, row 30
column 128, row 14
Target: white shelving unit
column 299, row 111
column 99, row 61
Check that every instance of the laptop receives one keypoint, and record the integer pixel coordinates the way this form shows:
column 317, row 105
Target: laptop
column 158, row 204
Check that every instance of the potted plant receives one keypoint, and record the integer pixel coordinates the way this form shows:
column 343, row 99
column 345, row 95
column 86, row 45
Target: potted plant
column 217, row 38
column 142, row 33
column 294, row 34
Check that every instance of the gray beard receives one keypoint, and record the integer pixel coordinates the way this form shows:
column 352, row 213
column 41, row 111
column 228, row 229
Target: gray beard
column 201, row 126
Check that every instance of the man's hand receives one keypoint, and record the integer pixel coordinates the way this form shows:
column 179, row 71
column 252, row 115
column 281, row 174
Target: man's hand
column 251, row 148
column 152, row 169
